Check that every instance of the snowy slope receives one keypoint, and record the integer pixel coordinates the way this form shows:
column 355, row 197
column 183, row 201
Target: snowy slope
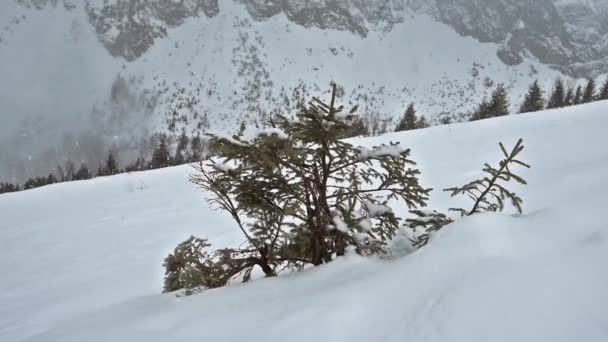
column 82, row 261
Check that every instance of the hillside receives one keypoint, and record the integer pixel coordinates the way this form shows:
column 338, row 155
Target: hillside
column 79, row 77
column 81, row 261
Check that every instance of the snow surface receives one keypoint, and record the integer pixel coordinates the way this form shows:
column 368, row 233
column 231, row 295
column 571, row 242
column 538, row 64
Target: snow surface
column 82, row 261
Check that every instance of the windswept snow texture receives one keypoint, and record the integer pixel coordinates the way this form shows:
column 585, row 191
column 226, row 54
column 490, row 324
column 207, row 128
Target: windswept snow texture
column 82, row 261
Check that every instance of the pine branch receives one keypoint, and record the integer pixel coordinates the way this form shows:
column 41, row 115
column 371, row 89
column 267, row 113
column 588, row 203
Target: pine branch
column 491, row 192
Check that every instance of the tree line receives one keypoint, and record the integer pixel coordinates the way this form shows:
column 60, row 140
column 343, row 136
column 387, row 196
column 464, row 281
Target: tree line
column 187, row 150
column 191, row 149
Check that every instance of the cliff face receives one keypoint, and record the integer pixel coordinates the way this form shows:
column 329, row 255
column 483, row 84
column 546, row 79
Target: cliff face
column 569, row 35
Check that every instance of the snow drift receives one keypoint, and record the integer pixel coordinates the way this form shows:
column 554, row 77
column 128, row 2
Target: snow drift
column 82, row 261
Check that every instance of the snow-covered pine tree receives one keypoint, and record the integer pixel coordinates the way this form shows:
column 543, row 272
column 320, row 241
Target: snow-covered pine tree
column 83, row 172
column 181, row 151
column 300, row 195
column 161, row 157
column 499, row 103
column 569, row 99
column 603, row 95
column 578, row 96
column 589, row 94
column 409, row 120
column 111, row 167
column 533, row 101
column 558, row 95
column 482, row 111
column 422, row 122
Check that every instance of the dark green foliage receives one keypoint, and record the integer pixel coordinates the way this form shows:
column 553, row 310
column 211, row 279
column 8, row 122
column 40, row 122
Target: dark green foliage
column 499, row 103
column 534, row 101
column 189, row 267
column 482, row 112
column 569, row 99
column 111, row 167
column 51, row 179
column 603, row 95
column 138, row 165
column 37, row 182
column 488, row 193
column 409, row 120
column 557, row 99
column 196, row 148
column 578, row 96
column 423, row 224
column 589, row 94
column 161, row 157
column 8, row 187
column 83, row 173
column 357, row 128
column 300, row 195
column 181, row 152
column 422, row 122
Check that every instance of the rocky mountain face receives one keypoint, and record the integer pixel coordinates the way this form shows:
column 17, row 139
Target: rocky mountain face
column 570, row 35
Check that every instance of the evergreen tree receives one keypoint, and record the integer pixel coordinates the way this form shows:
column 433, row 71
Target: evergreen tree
column 578, row 96
column 301, row 196
column 358, row 128
column 51, row 179
column 422, row 122
column 196, row 148
column 499, row 103
column 181, row 152
column 70, row 171
column 558, row 95
column 603, row 95
column 83, row 172
column 569, row 99
column 8, row 187
column 482, row 112
column 408, row 120
column 161, row 157
column 533, row 102
column 111, row 167
column 589, row 94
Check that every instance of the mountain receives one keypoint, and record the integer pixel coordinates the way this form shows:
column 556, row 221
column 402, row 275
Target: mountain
column 114, row 72
column 83, row 262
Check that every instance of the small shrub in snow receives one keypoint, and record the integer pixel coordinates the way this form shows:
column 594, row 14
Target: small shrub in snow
column 300, row 195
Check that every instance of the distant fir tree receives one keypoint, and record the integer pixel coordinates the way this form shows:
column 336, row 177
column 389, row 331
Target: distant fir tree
column 482, row 112
column 51, row 179
column 83, row 172
column 161, row 157
column 8, row 187
column 603, row 95
column 196, row 149
column 422, row 122
column 578, row 96
column 111, row 167
column 181, row 152
column 569, row 99
column 499, row 103
column 533, row 102
column 558, row 95
column 409, row 120
column 589, row 94
column 70, row 170
column 358, row 128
